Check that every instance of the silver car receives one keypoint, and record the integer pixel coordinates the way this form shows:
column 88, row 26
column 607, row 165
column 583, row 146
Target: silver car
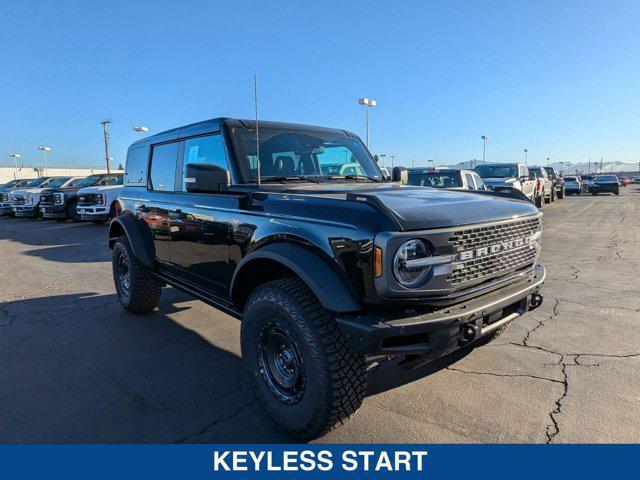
column 573, row 185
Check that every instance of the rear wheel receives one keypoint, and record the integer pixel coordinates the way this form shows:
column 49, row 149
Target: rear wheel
column 305, row 375
column 538, row 201
column 137, row 288
column 547, row 198
column 561, row 193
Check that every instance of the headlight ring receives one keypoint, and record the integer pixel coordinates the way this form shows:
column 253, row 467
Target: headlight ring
column 408, row 269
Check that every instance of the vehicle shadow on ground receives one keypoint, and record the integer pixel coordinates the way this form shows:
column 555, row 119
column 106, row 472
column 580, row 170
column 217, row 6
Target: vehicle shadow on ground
column 77, row 368
column 56, row 241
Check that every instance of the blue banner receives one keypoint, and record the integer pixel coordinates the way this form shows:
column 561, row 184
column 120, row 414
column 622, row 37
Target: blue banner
column 319, row 461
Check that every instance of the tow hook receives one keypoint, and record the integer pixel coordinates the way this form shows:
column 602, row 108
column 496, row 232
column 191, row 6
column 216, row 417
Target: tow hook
column 468, row 333
column 536, row 301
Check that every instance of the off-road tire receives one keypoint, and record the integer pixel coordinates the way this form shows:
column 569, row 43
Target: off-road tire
column 553, row 194
column 72, row 213
column 593, row 192
column 143, row 294
column 547, row 200
column 561, row 193
column 335, row 375
column 538, row 202
column 617, row 193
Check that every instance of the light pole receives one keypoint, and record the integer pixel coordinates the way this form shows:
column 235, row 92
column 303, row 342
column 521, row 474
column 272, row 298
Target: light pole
column 15, row 157
column 433, row 165
column 382, row 155
column 368, row 103
column 547, row 161
column 525, row 156
column 141, row 129
column 393, row 161
column 44, row 151
column 484, row 147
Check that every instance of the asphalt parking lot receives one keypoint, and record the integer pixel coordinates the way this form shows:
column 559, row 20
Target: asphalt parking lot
column 76, row 368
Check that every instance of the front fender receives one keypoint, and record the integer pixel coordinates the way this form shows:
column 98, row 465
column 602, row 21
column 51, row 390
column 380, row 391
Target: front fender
column 331, row 289
column 138, row 235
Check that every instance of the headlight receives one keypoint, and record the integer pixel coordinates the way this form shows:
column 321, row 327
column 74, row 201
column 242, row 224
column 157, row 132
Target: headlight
column 99, row 199
column 410, row 263
column 58, row 198
column 5, row 197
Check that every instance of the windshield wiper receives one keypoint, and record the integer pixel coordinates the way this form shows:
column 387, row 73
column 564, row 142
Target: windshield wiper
column 285, row 178
column 353, row 177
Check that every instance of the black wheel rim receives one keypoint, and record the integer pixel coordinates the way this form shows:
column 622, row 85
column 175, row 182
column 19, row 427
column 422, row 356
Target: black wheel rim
column 280, row 363
column 124, row 275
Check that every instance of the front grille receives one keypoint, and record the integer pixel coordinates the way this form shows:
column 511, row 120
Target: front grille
column 499, row 263
column 489, row 235
column 87, row 200
column 496, row 264
column 47, row 199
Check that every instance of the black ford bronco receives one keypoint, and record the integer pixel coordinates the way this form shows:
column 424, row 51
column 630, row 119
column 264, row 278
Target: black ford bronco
column 293, row 230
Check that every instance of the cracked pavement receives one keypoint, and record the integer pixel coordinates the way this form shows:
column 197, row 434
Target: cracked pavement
column 76, row 368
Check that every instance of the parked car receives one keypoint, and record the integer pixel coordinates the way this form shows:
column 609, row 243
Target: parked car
column 99, row 204
column 60, row 203
column 324, row 270
column 573, row 185
column 5, row 192
column 558, row 183
column 636, row 180
column 445, row 178
column 499, row 176
column 587, row 181
column 546, row 190
column 624, row 181
column 605, row 184
column 25, row 202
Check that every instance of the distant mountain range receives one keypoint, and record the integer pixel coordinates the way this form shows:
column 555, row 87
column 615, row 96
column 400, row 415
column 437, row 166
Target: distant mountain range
column 582, row 167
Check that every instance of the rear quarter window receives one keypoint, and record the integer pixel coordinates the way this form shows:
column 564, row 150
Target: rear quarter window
column 136, row 167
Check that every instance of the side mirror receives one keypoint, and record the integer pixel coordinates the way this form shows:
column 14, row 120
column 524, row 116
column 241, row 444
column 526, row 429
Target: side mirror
column 532, row 176
column 400, row 174
column 204, row 177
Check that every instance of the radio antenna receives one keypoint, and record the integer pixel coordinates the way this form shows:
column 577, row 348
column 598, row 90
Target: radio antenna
column 255, row 100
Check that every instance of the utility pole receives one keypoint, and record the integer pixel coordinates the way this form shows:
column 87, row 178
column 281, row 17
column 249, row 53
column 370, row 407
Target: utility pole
column 367, row 103
column 526, row 152
column 589, row 167
column 105, row 130
column 393, row 158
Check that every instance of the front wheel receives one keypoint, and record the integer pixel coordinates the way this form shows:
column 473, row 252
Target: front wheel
column 136, row 287
column 539, row 201
column 304, row 373
column 561, row 193
column 72, row 213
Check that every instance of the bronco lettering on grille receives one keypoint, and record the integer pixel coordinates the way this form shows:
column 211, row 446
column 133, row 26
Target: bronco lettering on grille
column 498, row 247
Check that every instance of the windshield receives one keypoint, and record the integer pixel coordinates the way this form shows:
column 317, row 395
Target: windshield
column 88, row 181
column 496, row 171
column 607, row 178
column 302, row 153
column 55, row 182
column 10, row 184
column 435, row 179
column 36, row 182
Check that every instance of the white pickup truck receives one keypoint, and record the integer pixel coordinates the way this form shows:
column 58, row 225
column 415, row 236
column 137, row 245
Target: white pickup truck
column 499, row 176
column 99, row 204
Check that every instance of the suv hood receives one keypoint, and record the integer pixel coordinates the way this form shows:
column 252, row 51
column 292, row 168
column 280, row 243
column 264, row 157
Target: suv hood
column 419, row 208
column 103, row 188
column 23, row 191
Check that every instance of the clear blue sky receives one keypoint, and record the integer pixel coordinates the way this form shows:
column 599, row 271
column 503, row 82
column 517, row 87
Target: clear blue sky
column 561, row 78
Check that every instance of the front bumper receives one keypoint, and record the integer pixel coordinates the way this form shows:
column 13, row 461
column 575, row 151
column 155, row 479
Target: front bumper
column 53, row 211
column 434, row 333
column 93, row 213
column 24, row 211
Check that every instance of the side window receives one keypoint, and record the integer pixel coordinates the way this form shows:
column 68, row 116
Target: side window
column 209, row 149
column 163, row 167
column 110, row 180
column 479, row 183
column 469, row 180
